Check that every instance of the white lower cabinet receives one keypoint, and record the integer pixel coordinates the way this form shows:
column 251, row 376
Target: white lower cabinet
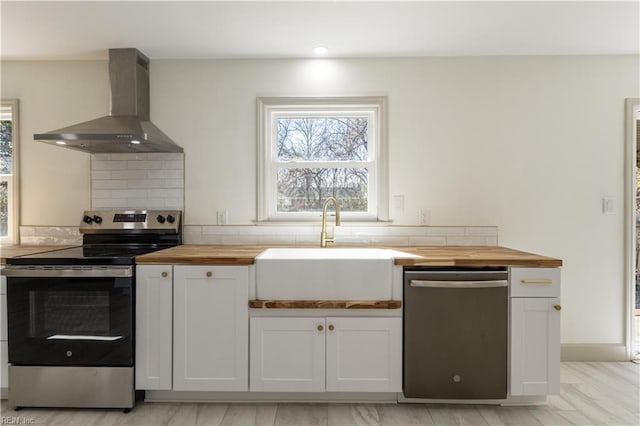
column 192, row 328
column 364, row 354
column 335, row 354
column 210, row 328
column 287, row 354
column 154, row 319
column 535, row 331
column 535, row 346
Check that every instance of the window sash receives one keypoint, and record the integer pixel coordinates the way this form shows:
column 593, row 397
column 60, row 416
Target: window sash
column 271, row 109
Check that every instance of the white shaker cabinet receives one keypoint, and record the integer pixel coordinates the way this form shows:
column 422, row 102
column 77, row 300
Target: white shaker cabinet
column 535, row 331
column 287, row 354
column 334, row 354
column 154, row 331
column 210, row 328
column 364, row 354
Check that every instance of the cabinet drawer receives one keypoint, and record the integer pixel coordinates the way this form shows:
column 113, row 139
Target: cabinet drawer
column 535, row 282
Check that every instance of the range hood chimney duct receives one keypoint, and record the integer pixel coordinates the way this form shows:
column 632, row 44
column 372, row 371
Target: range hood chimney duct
column 127, row 128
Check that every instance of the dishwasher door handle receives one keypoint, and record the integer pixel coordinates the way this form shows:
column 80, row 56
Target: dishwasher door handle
column 458, row 284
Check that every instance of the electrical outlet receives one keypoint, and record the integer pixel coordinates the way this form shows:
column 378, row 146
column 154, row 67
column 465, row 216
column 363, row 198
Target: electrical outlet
column 425, row 217
column 398, row 203
column 607, row 205
column 222, row 217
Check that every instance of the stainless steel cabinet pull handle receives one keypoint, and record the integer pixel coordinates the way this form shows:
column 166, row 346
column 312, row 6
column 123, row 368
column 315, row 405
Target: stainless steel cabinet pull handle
column 165, row 274
column 546, row 281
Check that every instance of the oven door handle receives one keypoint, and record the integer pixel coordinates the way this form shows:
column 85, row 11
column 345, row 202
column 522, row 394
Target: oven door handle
column 40, row 271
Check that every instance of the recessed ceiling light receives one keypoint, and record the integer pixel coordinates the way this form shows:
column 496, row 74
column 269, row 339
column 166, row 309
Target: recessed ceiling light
column 320, row 50
column 135, row 142
column 61, row 142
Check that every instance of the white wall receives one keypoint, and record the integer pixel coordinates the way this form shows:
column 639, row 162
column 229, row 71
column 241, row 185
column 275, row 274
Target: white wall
column 530, row 144
column 55, row 184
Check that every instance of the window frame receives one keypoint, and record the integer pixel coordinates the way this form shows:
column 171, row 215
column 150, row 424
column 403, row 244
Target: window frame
column 13, row 196
column 270, row 108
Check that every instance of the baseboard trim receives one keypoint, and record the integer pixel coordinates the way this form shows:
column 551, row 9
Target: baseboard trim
column 270, row 397
column 593, row 352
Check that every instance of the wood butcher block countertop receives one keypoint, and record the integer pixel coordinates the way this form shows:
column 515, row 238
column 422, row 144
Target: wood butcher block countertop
column 20, row 250
column 409, row 255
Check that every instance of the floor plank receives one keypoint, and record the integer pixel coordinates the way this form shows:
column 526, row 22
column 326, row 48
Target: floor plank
column 592, row 393
column 353, row 414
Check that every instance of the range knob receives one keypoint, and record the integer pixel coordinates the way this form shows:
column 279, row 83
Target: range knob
column 87, row 219
column 160, row 218
column 97, row 219
column 170, row 218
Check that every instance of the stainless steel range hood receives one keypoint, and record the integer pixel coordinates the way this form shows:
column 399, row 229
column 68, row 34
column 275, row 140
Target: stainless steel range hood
column 127, row 128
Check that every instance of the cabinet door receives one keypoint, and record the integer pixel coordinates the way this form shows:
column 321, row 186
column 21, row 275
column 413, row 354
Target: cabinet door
column 364, row 354
column 154, row 334
column 210, row 328
column 287, row 354
column 535, row 346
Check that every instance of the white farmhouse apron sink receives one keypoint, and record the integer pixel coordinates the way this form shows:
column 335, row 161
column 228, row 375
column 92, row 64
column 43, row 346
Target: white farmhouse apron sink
column 324, row 274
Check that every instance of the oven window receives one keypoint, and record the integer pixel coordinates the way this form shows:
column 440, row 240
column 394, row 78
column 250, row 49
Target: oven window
column 70, row 320
column 69, row 313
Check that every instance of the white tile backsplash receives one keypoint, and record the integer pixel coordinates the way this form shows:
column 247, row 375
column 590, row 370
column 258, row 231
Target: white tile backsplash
column 108, row 165
column 346, row 234
column 137, row 181
column 100, row 174
column 130, row 174
column 50, row 235
column 108, row 184
column 278, row 235
column 144, row 165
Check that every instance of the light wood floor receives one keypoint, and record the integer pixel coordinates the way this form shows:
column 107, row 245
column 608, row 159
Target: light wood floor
column 593, row 393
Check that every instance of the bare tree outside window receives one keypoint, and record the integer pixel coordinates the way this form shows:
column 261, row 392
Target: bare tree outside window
column 322, row 139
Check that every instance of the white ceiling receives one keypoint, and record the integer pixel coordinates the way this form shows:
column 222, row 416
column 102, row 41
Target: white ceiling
column 290, row 29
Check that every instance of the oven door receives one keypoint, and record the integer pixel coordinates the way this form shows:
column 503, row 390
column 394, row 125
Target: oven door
column 70, row 315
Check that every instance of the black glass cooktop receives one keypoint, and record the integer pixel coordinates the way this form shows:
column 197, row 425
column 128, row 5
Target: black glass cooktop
column 103, row 255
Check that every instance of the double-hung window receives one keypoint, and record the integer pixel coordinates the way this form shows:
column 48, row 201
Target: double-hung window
column 310, row 149
column 8, row 171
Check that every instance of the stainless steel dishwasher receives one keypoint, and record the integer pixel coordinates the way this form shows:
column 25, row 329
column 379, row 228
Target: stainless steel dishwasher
column 455, row 333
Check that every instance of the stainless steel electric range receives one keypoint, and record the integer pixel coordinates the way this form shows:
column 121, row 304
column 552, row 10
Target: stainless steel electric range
column 71, row 312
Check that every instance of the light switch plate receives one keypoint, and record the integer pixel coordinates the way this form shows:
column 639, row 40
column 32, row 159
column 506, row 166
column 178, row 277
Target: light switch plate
column 222, row 217
column 398, row 203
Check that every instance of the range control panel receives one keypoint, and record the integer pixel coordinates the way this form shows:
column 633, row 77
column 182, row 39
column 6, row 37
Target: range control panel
column 115, row 221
